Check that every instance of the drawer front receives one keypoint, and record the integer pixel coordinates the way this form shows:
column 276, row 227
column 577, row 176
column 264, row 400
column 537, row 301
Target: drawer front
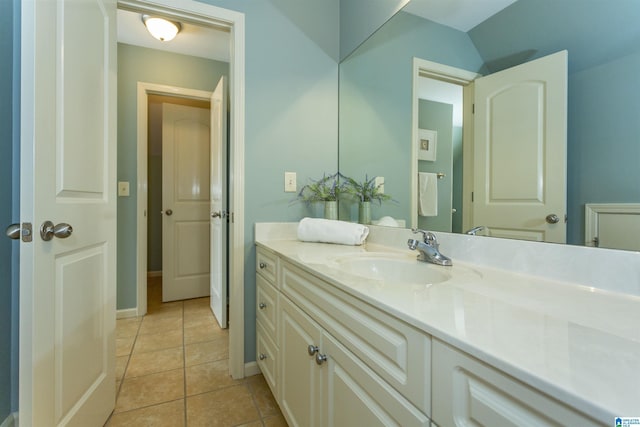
column 267, row 306
column 267, row 357
column 397, row 352
column 467, row 391
column 267, row 265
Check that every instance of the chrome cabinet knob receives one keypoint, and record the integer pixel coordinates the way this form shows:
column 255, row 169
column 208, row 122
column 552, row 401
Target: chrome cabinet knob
column 263, row 265
column 48, row 231
column 321, row 358
column 312, row 349
column 552, row 219
column 262, row 306
column 262, row 356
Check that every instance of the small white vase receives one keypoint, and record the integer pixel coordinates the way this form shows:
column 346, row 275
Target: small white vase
column 331, row 209
column 364, row 213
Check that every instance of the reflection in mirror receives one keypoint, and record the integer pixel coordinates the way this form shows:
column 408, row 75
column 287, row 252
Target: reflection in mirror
column 603, row 43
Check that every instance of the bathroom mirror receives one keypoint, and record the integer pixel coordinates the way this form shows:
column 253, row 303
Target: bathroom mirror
column 603, row 43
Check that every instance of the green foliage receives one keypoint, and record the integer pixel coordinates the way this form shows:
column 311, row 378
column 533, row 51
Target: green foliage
column 365, row 191
column 328, row 188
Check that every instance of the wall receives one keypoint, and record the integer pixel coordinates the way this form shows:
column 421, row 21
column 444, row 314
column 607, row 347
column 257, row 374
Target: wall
column 360, row 18
column 603, row 147
column 439, row 117
column 376, row 101
column 136, row 64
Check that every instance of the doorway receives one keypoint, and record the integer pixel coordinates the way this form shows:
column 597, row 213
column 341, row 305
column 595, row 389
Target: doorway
column 204, row 15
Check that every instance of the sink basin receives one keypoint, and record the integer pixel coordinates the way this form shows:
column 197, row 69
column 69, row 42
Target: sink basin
column 392, row 268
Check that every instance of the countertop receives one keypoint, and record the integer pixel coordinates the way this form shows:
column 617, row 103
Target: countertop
column 578, row 344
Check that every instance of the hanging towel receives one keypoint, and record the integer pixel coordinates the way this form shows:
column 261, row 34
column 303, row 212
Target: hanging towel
column 427, row 194
column 330, row 231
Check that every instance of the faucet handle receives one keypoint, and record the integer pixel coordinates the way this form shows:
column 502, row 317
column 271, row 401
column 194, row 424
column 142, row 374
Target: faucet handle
column 427, row 236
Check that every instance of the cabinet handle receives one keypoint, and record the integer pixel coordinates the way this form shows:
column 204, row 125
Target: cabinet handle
column 262, row 356
column 321, row 358
column 312, row 349
column 263, row 265
column 262, row 306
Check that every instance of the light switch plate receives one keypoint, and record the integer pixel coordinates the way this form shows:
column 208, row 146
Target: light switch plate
column 379, row 181
column 290, row 182
column 123, row 188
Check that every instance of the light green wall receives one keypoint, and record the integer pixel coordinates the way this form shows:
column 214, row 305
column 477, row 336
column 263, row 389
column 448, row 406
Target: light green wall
column 136, row 64
column 439, row 117
column 376, row 101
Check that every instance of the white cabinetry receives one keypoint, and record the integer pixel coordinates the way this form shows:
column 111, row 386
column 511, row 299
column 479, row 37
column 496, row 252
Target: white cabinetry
column 467, row 392
column 267, row 318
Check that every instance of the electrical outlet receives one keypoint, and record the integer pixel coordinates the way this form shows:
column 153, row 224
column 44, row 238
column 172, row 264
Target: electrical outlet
column 379, row 183
column 290, row 182
column 123, row 188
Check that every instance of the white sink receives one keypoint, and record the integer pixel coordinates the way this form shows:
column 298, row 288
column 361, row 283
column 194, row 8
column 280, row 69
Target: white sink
column 392, row 268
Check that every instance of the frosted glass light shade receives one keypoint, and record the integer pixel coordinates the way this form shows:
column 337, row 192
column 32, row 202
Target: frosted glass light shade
column 160, row 28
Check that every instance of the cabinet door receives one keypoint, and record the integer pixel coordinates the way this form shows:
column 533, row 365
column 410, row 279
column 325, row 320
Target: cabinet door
column 299, row 383
column 353, row 395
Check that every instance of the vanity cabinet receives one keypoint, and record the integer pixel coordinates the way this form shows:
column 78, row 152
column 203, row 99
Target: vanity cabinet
column 469, row 392
column 340, row 361
column 267, row 309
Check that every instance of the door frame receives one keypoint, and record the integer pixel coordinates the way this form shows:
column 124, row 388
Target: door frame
column 234, row 21
column 460, row 77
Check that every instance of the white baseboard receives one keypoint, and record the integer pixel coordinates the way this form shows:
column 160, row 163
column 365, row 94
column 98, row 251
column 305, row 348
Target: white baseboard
column 251, row 369
column 124, row 314
column 10, row 421
column 154, row 273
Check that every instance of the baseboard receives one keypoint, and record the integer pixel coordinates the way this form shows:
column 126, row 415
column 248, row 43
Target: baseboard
column 124, row 314
column 154, row 273
column 251, row 369
column 10, row 421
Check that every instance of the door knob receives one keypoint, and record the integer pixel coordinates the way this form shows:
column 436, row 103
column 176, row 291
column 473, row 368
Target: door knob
column 48, row 231
column 216, row 214
column 552, row 219
column 13, row 231
column 168, row 212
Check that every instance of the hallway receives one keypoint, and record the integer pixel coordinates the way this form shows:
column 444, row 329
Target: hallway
column 172, row 370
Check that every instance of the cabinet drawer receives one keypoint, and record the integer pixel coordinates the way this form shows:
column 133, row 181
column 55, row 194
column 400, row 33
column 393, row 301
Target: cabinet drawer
column 397, row 352
column 466, row 391
column 267, row 357
column 266, row 264
column 267, row 306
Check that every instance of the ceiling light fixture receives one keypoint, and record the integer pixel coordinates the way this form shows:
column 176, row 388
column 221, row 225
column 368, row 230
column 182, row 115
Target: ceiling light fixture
column 160, row 28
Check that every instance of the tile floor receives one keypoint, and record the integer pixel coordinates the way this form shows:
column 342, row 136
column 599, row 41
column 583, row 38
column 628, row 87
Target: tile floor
column 172, row 370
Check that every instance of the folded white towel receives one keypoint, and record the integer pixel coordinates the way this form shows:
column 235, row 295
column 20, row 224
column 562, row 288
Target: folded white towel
column 330, row 231
column 427, row 194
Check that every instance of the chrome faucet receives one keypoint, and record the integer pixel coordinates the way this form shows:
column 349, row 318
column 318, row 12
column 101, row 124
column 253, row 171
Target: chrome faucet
column 475, row 230
column 428, row 248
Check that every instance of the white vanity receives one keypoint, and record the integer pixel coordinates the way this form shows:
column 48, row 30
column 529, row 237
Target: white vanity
column 342, row 341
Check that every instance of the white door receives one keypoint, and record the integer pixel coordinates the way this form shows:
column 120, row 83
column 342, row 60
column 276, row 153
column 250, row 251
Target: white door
column 185, row 201
column 218, row 226
column 68, row 175
column 520, row 151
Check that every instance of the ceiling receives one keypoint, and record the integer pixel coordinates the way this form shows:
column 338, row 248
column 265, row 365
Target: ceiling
column 192, row 40
column 462, row 15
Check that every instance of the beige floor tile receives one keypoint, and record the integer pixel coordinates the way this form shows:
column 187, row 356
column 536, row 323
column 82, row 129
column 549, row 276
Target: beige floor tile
column 121, row 365
column 155, row 361
column 204, row 333
column 230, row 406
column 199, row 320
column 275, row 421
column 252, row 424
column 169, row 414
column 263, row 396
column 127, row 327
column 208, row 377
column 209, row 351
column 160, row 325
column 196, row 302
column 153, row 342
column 151, row 389
column 124, row 345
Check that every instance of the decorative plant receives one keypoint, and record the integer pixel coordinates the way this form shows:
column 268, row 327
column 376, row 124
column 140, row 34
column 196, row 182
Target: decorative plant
column 326, row 189
column 365, row 191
